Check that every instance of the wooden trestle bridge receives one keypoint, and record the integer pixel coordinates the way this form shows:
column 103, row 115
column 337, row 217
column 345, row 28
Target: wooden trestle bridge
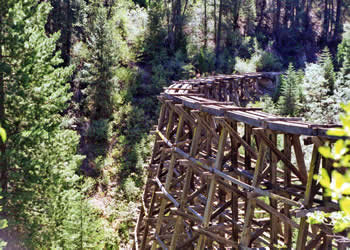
column 225, row 176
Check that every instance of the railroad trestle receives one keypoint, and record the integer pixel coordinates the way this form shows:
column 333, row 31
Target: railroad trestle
column 226, row 176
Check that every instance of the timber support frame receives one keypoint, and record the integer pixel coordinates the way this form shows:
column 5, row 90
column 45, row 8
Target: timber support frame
column 226, row 176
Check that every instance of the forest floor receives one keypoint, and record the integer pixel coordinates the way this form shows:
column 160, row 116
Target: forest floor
column 13, row 238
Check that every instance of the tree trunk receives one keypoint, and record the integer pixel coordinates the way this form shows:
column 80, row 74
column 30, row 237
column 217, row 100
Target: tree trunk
column 325, row 22
column 262, row 6
column 331, row 17
column 338, row 27
column 178, row 25
column 307, row 16
column 205, row 25
column 172, row 28
column 235, row 14
column 215, row 22
column 277, row 17
column 286, row 13
column 166, row 5
column 217, row 49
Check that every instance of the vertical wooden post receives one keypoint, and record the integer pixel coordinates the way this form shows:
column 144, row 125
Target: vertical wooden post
column 212, row 188
column 159, row 169
column 247, row 157
column 159, row 127
column 245, row 239
column 169, row 178
column 209, row 138
column 247, row 137
column 299, row 155
column 327, row 165
column 234, row 196
column 273, row 178
column 186, row 187
column 287, row 182
column 303, row 226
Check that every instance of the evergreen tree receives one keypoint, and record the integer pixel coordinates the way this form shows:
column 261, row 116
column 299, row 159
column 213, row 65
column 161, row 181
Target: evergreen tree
column 318, row 101
column 39, row 173
column 97, row 62
column 344, row 52
column 290, row 93
column 329, row 74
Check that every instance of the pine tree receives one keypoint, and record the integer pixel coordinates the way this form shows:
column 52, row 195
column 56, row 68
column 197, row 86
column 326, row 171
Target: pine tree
column 342, row 84
column 290, row 93
column 42, row 187
column 97, row 61
column 329, row 74
column 318, row 101
column 344, row 52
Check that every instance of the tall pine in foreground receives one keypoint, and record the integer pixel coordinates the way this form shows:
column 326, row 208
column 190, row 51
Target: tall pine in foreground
column 39, row 162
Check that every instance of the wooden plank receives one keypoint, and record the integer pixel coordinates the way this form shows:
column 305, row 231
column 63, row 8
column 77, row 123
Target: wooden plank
column 234, row 163
column 180, row 110
column 287, row 181
column 185, row 245
column 273, row 179
column 169, row 178
column 185, row 94
column 303, row 226
column 235, row 136
column 212, row 188
column 299, row 155
column 182, row 214
column 186, row 188
column 240, row 109
column 206, row 125
column 161, row 243
column 166, row 193
column 245, row 239
column 219, row 173
column 214, row 236
column 248, row 139
column 282, row 157
column 313, row 244
column 221, row 209
column 170, row 125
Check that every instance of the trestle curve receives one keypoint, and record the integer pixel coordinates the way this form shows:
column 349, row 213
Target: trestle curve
column 226, row 176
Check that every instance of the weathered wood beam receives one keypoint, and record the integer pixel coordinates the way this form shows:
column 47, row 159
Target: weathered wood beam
column 179, row 222
column 281, row 156
column 303, row 226
column 168, row 179
column 245, row 238
column 212, row 188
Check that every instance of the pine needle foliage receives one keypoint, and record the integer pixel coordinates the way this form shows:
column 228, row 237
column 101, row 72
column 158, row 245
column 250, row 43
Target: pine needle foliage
column 290, row 92
column 343, row 55
column 42, row 189
column 327, row 63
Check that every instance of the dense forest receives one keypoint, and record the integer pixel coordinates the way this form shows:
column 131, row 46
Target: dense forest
column 78, row 87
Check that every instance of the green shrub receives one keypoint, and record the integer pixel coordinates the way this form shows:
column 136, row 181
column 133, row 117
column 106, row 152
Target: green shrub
column 98, row 129
column 204, row 61
column 268, row 62
column 246, row 65
column 225, row 62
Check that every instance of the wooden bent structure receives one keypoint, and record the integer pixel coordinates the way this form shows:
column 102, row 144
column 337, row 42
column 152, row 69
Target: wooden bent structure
column 224, row 176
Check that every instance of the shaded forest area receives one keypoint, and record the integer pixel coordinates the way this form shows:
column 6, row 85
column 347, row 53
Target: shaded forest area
column 78, row 87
